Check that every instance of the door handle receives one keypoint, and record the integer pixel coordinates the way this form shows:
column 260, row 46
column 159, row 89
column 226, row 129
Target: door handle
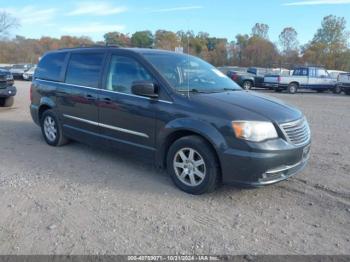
column 107, row 100
column 91, row 98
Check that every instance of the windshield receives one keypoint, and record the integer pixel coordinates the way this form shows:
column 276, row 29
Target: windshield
column 188, row 73
column 31, row 70
column 18, row 67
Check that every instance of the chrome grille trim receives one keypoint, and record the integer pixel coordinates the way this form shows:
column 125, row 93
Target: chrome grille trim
column 297, row 132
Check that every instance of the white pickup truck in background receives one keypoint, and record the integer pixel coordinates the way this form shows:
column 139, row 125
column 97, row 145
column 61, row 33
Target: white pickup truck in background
column 313, row 78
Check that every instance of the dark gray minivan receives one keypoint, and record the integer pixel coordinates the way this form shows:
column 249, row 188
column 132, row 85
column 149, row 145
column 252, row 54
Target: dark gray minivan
column 173, row 109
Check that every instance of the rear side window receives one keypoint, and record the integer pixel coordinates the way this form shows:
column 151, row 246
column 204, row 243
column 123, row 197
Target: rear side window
column 322, row 73
column 84, row 69
column 301, row 72
column 50, row 66
column 252, row 71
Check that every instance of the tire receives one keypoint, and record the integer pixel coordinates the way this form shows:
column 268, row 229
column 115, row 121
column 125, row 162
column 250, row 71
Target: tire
column 337, row 89
column 247, row 85
column 293, row 88
column 7, row 101
column 52, row 129
column 180, row 162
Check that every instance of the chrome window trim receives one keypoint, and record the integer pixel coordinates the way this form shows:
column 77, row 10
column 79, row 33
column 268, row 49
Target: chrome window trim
column 105, row 90
column 115, row 128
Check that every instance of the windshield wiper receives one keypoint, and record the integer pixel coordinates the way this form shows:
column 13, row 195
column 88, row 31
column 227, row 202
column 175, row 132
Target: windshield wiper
column 223, row 90
column 193, row 90
column 231, row 89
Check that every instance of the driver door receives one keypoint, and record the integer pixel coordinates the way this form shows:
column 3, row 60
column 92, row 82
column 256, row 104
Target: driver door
column 126, row 119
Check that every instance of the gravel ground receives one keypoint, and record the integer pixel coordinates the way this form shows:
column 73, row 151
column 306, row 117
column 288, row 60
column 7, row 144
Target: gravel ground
column 82, row 200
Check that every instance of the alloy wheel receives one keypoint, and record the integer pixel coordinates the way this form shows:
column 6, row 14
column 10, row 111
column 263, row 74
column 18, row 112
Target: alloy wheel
column 50, row 128
column 189, row 166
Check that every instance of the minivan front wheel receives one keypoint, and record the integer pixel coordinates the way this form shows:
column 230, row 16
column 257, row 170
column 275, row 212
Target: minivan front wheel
column 51, row 129
column 193, row 165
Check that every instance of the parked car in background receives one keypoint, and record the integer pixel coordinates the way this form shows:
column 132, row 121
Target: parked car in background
column 19, row 69
column 242, row 77
column 28, row 75
column 7, row 90
column 335, row 73
column 343, row 83
column 200, row 126
column 225, row 69
column 5, row 66
column 312, row 78
column 271, row 80
column 259, row 74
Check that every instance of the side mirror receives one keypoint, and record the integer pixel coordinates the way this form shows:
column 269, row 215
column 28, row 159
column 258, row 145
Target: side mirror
column 144, row 88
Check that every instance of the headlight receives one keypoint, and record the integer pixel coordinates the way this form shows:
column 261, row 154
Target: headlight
column 9, row 77
column 254, row 131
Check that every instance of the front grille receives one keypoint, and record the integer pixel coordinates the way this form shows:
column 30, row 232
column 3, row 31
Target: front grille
column 297, row 132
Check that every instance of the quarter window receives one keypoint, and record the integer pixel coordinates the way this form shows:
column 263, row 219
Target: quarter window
column 84, row 69
column 123, row 71
column 50, row 66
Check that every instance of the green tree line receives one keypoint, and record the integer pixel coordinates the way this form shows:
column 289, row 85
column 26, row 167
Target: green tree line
column 329, row 47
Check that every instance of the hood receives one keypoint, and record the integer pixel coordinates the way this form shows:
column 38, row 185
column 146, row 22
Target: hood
column 17, row 70
column 265, row 106
column 4, row 72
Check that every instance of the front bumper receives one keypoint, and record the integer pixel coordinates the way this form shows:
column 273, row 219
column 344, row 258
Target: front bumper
column 264, row 167
column 345, row 86
column 8, row 91
column 17, row 74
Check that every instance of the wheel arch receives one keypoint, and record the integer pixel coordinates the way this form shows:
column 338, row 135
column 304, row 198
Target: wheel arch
column 248, row 80
column 294, row 82
column 208, row 133
column 45, row 104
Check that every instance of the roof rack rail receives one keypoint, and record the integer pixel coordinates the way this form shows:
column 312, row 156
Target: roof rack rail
column 91, row 46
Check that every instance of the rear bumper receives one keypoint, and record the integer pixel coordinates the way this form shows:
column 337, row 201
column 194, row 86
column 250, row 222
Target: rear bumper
column 262, row 168
column 34, row 112
column 8, row 91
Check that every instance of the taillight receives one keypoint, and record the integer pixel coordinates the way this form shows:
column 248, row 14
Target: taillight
column 234, row 77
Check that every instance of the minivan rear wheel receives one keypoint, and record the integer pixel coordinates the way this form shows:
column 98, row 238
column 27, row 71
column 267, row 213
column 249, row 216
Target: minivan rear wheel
column 193, row 166
column 52, row 130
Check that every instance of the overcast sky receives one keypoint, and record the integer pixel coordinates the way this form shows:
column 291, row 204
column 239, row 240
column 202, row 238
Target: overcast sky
column 221, row 18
